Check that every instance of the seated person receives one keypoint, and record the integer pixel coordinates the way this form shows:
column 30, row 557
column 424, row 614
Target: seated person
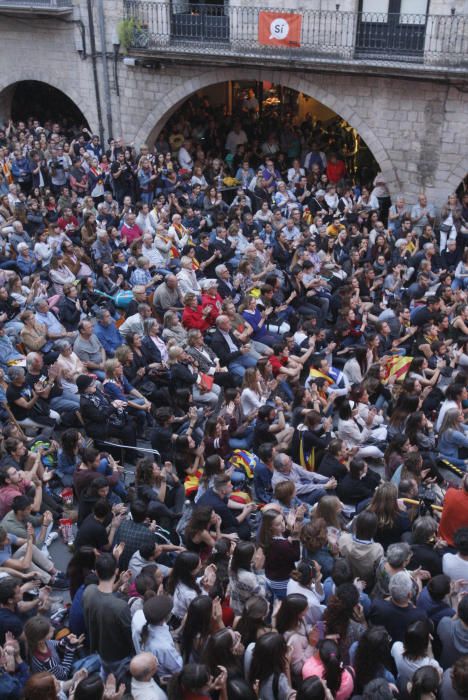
column 358, row 486
column 217, row 497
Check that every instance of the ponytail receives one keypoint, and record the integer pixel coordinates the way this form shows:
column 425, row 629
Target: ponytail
column 144, row 635
column 331, row 659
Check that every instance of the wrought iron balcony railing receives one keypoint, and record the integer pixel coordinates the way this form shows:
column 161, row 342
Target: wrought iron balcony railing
column 183, row 27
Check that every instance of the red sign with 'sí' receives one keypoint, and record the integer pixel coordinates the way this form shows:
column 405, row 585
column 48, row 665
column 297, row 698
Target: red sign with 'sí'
column 279, row 29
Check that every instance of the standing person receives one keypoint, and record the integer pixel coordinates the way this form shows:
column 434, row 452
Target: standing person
column 108, row 620
column 281, row 552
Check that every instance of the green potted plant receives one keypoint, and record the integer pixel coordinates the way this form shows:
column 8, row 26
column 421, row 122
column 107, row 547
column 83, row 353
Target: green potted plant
column 132, row 32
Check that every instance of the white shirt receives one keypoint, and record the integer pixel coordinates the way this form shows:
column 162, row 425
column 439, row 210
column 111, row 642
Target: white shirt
column 183, row 596
column 159, row 643
column 332, row 200
column 235, row 139
column 250, row 401
column 154, row 256
column 406, row 668
column 185, row 159
column 446, row 406
column 145, row 223
column 295, row 175
column 455, row 567
column 188, row 282
column 232, row 346
column 148, row 690
column 314, row 610
column 161, row 345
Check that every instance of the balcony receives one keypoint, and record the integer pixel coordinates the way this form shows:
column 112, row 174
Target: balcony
column 37, row 7
column 220, row 34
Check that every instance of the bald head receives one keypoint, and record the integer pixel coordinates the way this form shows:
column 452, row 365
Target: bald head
column 143, row 666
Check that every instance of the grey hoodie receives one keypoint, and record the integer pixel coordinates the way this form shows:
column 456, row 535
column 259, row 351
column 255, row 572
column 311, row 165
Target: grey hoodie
column 362, row 556
column 453, row 635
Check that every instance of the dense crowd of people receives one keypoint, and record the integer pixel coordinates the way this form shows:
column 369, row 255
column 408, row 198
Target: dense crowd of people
column 233, row 380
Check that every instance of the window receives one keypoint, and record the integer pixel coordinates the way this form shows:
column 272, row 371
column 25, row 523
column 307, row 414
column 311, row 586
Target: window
column 414, row 11
column 375, row 10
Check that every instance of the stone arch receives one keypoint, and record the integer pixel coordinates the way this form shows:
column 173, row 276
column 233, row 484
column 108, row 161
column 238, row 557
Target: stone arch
column 457, row 174
column 166, row 106
column 40, row 76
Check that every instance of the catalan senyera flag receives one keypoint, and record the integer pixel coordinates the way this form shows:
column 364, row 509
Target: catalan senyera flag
column 279, row 29
column 397, row 367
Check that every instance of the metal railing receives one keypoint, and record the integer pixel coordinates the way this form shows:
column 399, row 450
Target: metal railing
column 36, row 4
column 229, row 30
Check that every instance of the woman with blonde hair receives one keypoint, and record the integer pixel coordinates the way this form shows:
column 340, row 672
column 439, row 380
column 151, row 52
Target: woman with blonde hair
column 118, row 388
column 252, row 396
column 173, row 329
column 185, row 375
column 330, row 508
column 453, row 438
column 60, row 274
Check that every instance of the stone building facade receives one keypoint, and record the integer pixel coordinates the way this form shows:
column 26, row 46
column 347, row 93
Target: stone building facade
column 414, row 122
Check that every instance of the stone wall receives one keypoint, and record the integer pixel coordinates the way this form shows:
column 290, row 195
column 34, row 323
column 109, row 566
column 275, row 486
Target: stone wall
column 415, row 128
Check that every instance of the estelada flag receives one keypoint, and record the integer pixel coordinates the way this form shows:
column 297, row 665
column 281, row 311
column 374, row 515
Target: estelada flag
column 397, row 366
column 279, row 29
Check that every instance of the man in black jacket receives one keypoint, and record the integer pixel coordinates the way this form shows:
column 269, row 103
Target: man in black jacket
column 222, row 243
column 225, row 286
column 231, row 352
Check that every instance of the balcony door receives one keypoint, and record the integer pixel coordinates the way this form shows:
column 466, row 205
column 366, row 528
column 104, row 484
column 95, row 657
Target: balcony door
column 393, row 29
column 199, row 21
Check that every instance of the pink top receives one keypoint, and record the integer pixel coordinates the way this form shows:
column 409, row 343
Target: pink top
column 314, row 667
column 131, row 233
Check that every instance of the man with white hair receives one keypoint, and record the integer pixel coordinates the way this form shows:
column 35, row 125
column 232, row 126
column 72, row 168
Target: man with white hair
column 55, row 330
column 225, row 287
column 178, row 233
column 310, row 486
column 156, row 260
column 186, row 278
column 398, row 613
column 232, row 354
column 163, row 244
column 143, row 668
column 130, row 231
column 57, row 398
column 167, row 296
column 25, row 261
column 135, row 323
column 19, row 235
column 422, row 214
column 102, row 251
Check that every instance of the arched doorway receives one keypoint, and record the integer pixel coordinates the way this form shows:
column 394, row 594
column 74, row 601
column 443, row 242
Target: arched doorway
column 265, row 108
column 330, row 92
column 34, row 99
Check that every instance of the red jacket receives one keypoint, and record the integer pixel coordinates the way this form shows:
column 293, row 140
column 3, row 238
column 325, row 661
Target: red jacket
column 192, row 318
column 454, row 514
column 216, row 303
column 336, row 171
